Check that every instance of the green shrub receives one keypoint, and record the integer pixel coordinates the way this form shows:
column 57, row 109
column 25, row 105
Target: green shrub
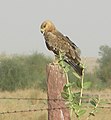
column 104, row 71
column 23, row 71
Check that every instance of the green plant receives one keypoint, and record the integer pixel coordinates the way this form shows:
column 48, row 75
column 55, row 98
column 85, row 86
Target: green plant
column 74, row 100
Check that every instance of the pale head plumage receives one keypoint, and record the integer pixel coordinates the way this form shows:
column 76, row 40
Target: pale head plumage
column 47, row 26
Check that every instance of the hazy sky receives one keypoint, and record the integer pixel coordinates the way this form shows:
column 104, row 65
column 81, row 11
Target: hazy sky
column 86, row 22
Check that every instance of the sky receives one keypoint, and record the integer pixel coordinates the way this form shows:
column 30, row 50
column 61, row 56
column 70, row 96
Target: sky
column 86, row 22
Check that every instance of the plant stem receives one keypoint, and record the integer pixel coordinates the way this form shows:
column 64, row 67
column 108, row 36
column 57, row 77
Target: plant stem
column 67, row 80
column 94, row 109
column 81, row 91
column 69, row 92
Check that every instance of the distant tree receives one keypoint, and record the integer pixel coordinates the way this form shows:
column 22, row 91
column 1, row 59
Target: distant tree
column 23, row 71
column 104, row 72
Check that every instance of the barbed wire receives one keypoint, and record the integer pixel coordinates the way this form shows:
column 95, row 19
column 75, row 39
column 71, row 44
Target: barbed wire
column 32, row 110
column 27, row 98
column 41, row 99
column 24, row 98
column 39, row 109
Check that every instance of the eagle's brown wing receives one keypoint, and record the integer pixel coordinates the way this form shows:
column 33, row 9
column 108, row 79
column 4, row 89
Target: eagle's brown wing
column 57, row 42
column 73, row 49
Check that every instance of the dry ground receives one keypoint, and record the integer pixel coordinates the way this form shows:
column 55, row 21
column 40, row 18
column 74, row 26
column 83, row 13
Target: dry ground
column 16, row 105
column 19, row 105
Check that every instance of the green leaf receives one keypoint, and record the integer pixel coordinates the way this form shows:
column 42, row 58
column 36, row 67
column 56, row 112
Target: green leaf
column 77, row 94
column 70, row 97
column 61, row 63
column 93, row 102
column 76, row 98
column 76, row 107
column 78, row 84
column 66, row 69
column 81, row 112
column 65, row 95
column 66, row 86
column 87, row 85
column 82, row 65
column 96, row 99
column 70, row 84
column 92, row 114
column 76, row 75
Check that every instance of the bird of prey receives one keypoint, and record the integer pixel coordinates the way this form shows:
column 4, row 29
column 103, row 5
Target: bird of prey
column 57, row 42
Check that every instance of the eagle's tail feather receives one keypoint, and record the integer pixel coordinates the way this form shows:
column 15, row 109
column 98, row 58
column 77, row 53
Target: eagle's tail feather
column 75, row 66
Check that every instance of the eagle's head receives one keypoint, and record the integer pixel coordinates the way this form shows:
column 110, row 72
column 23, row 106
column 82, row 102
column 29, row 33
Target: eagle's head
column 47, row 26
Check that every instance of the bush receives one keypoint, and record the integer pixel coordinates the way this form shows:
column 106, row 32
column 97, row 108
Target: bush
column 104, row 71
column 20, row 72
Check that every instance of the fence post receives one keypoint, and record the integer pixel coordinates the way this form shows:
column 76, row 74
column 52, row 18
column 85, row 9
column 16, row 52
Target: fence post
column 55, row 83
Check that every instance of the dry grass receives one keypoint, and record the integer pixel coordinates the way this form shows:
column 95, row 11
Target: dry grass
column 105, row 113
column 12, row 105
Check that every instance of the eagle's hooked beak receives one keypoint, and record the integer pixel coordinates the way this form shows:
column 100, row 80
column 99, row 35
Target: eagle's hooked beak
column 42, row 31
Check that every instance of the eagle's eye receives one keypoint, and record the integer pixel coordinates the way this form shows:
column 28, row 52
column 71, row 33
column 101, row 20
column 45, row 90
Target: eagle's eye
column 44, row 25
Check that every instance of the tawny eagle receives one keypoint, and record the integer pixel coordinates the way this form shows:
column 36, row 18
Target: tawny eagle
column 56, row 42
